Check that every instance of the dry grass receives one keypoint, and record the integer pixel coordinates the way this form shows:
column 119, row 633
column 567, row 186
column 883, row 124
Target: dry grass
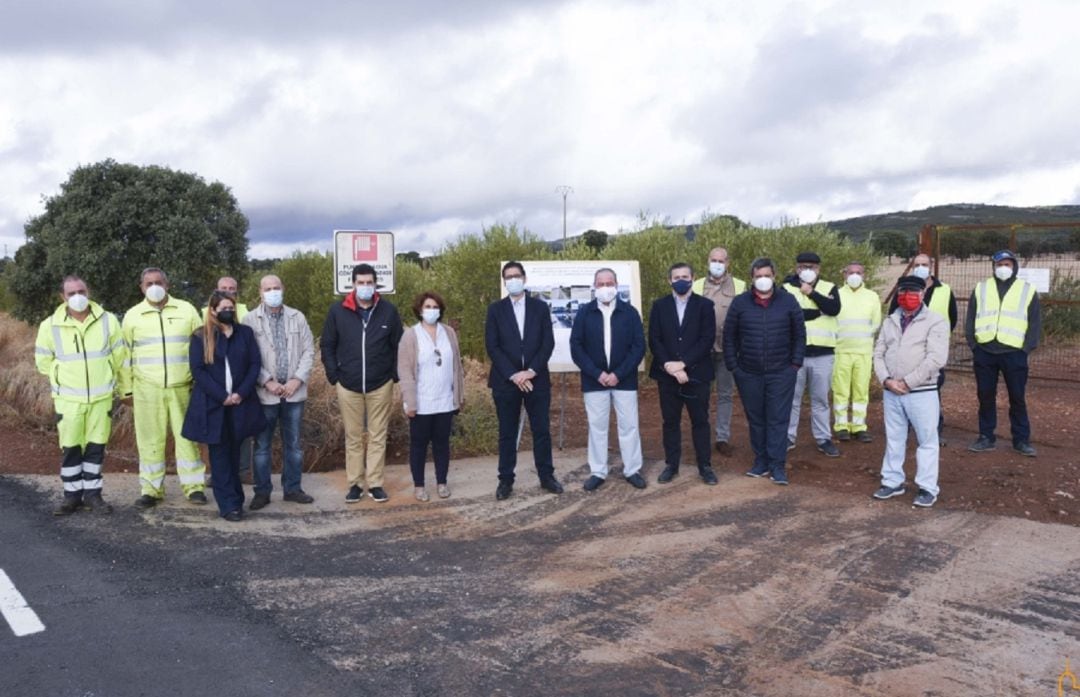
column 24, row 392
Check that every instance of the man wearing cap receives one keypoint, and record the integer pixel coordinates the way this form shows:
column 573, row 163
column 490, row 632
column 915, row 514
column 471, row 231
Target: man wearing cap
column 859, row 319
column 910, row 350
column 820, row 303
column 721, row 287
column 940, row 299
column 1002, row 327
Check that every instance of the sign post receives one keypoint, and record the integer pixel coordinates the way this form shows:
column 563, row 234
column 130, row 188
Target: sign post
column 352, row 247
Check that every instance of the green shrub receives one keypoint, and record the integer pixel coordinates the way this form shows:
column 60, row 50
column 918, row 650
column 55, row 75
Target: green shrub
column 1062, row 321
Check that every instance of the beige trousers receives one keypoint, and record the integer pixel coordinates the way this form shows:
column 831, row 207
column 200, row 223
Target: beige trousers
column 366, row 418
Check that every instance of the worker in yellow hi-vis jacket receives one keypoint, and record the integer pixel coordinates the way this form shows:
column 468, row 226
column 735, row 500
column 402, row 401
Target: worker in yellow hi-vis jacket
column 80, row 349
column 858, row 321
column 157, row 332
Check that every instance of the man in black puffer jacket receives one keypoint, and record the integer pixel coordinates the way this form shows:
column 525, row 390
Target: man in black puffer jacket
column 764, row 346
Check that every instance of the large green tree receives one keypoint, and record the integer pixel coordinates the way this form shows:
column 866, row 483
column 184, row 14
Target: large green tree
column 111, row 220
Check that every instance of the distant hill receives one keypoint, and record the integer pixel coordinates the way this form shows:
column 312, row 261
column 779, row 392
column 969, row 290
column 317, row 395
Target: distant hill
column 909, row 222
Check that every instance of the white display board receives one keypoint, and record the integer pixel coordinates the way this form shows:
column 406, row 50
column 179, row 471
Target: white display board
column 567, row 285
column 352, row 247
column 1040, row 278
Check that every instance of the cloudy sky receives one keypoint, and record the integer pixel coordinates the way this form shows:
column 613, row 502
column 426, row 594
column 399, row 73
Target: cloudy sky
column 434, row 118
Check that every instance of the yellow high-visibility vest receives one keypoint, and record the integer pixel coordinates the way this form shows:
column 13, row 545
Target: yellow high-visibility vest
column 1002, row 319
column 939, row 301
column 82, row 359
column 699, row 285
column 157, row 342
column 821, row 331
column 859, row 319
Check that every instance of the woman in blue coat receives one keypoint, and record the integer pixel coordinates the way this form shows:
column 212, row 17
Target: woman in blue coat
column 224, row 409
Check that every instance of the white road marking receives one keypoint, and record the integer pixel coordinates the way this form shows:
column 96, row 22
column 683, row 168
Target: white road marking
column 19, row 615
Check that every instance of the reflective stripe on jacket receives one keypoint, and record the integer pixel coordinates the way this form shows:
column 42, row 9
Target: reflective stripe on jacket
column 822, row 330
column 157, row 342
column 82, row 359
column 1002, row 319
column 859, row 319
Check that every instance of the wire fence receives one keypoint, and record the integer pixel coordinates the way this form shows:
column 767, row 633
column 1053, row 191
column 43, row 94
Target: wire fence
column 1049, row 257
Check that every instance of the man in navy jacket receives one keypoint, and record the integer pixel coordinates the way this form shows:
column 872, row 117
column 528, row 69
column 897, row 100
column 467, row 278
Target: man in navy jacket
column 607, row 343
column 682, row 328
column 764, row 345
column 519, row 342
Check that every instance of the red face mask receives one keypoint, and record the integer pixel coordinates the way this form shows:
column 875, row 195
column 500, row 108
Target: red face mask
column 909, row 301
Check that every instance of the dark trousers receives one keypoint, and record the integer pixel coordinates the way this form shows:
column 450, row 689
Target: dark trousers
column 537, row 403
column 695, row 397
column 225, row 467
column 941, row 405
column 766, row 398
column 433, row 429
column 1013, row 366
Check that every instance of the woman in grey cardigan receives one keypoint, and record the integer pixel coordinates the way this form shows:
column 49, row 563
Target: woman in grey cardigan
column 432, row 384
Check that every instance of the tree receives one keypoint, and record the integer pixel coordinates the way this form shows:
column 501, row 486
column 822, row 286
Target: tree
column 111, row 220
column 596, row 239
column 894, row 243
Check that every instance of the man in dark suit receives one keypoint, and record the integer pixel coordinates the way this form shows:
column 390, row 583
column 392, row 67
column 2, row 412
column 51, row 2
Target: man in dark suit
column 519, row 341
column 682, row 328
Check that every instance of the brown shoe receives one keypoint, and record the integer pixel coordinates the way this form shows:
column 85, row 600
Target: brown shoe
column 724, row 449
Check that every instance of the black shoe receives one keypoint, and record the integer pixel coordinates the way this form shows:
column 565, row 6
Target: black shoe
column 93, row 503
column 636, row 480
column 298, row 496
column 551, row 484
column 1024, row 448
column 724, row 449
column 259, row 501
column 234, row 516
column 864, row 437
column 593, row 483
column 827, row 447
column 669, row 473
column 982, row 444
column 197, row 497
column 354, row 495
column 69, row 505
column 707, row 475
column 145, row 501
column 503, row 491
column 377, row 494
column 843, row 436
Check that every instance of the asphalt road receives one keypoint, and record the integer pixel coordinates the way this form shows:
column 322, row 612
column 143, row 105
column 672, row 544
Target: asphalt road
column 130, row 619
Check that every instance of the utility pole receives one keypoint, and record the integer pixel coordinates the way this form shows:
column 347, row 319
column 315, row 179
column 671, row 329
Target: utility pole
column 565, row 191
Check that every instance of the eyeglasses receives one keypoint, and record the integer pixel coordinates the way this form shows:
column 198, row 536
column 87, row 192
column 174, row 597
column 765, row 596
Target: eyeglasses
column 438, row 358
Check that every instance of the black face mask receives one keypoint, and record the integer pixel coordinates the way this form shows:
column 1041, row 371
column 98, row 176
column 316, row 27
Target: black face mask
column 227, row 316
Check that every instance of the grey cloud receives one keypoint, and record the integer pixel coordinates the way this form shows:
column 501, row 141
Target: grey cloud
column 72, row 27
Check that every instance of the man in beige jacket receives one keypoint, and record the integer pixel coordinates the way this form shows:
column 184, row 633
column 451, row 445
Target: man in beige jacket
column 911, row 348
column 288, row 352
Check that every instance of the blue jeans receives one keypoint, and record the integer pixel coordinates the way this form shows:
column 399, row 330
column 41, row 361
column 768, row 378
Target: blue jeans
column 290, row 414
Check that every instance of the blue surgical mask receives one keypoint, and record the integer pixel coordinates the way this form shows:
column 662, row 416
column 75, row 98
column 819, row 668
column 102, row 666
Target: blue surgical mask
column 365, row 293
column 273, row 298
column 682, row 286
column 430, row 315
column 514, row 286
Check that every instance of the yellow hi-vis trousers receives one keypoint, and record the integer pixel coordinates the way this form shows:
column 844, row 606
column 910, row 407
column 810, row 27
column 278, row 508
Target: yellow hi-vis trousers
column 159, row 411
column 851, row 386
column 84, row 430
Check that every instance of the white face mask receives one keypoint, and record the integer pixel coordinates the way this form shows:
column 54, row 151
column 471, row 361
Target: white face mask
column 430, row 315
column 763, row 283
column 78, row 302
column 854, row 280
column 1003, row 273
column 922, row 272
column 808, row 275
column 365, row 293
column 606, row 294
column 155, row 294
column 273, row 298
column 717, row 268
column 514, row 286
